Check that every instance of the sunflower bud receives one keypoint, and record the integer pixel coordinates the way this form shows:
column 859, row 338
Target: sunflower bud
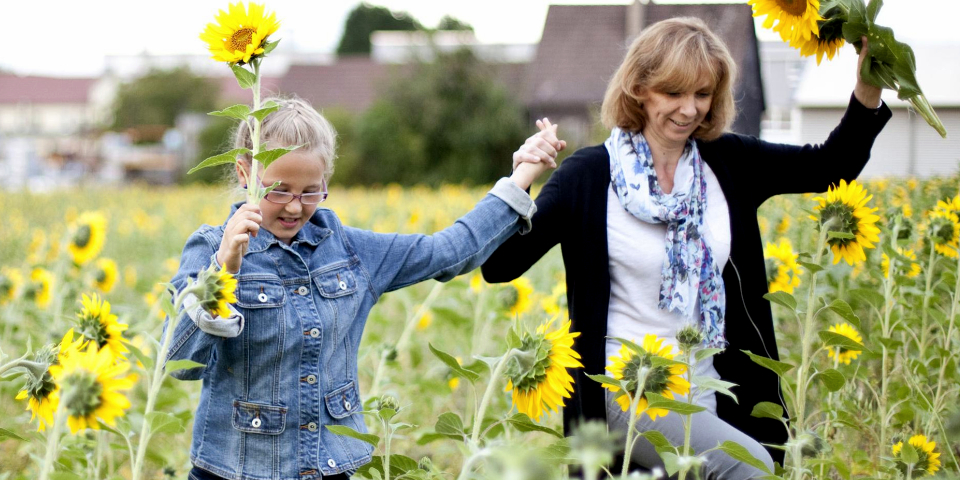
column 389, row 352
column 811, row 445
column 425, row 464
column 388, row 401
column 593, row 444
column 689, row 337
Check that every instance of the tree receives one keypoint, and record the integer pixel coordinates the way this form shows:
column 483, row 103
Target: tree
column 366, row 19
column 158, row 97
column 451, row 23
column 447, row 121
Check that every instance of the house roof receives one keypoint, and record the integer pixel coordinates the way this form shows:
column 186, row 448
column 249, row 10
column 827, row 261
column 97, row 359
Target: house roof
column 350, row 83
column 829, row 84
column 30, row 89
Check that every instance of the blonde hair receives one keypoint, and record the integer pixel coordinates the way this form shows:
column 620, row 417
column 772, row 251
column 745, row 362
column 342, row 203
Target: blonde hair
column 295, row 123
column 668, row 56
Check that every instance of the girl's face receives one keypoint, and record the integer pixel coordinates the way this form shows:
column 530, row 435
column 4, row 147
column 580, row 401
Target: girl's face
column 298, row 172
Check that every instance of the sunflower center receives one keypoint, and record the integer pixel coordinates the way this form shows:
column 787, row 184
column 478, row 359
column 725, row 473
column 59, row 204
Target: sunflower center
column 83, row 393
column 241, row 38
column 794, row 7
column 101, row 276
column 95, row 329
column 944, row 232
column 82, row 238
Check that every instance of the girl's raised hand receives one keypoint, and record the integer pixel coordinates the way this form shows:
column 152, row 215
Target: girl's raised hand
column 537, row 154
column 236, row 237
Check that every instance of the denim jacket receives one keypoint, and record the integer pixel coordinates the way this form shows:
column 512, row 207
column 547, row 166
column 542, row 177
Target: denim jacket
column 284, row 364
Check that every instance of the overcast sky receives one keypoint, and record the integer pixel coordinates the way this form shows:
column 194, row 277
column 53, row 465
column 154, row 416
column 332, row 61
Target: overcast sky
column 71, row 38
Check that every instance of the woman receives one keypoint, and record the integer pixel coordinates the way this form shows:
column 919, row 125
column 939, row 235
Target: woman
column 678, row 217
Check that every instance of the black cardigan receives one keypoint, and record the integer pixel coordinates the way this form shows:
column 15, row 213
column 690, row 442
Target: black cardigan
column 572, row 211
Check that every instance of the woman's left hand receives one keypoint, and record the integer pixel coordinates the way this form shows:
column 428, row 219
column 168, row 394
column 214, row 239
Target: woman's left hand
column 543, row 146
column 868, row 95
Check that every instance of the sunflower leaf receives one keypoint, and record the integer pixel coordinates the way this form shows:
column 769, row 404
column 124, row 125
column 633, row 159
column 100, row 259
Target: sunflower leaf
column 175, row 365
column 833, row 339
column 454, row 365
column 909, row 455
column 832, row 379
column 657, row 439
column 4, row 433
column 629, row 344
column 833, row 235
column 782, row 298
column 811, row 267
column 739, row 452
column 843, row 309
column 349, row 432
column 720, row 386
column 778, row 367
column 267, row 109
column 229, row 157
column 671, row 462
column 269, row 156
column 706, row 353
column 245, row 78
column 142, row 357
column 872, row 10
column 65, row 475
column 523, row 423
column 768, row 410
column 268, row 47
column 239, row 112
column 450, row 425
column 683, row 408
column 162, row 422
column 869, row 296
column 605, row 380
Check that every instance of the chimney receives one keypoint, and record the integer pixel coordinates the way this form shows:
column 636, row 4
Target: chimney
column 636, row 13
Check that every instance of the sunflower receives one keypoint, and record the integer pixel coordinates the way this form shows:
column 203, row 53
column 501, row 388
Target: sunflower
column 818, row 46
column 900, row 270
column 97, row 324
column 784, row 225
column 842, row 354
column 240, row 34
column 516, row 296
column 220, row 290
column 929, row 459
column 944, row 228
column 87, row 236
column 425, row 321
column 540, row 380
column 40, row 288
column 783, row 271
column 39, row 392
column 106, row 275
column 795, row 19
column 846, row 206
column 89, row 383
column 556, row 303
column 476, row 283
column 11, row 281
column 664, row 380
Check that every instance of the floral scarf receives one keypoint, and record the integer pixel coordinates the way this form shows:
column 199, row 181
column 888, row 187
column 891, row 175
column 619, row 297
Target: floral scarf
column 689, row 271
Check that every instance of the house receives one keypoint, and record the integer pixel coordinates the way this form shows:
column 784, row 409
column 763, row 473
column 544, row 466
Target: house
column 907, row 146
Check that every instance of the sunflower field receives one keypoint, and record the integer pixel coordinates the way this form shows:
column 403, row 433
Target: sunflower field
column 465, row 379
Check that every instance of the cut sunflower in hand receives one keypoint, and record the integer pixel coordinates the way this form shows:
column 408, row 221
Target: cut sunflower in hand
column 538, row 377
column 665, row 380
column 792, row 19
column 240, row 34
column 219, row 290
column 845, row 212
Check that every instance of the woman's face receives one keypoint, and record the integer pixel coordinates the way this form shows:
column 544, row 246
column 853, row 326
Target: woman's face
column 298, row 172
column 673, row 116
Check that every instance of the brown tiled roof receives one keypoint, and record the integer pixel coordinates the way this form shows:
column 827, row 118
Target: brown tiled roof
column 350, row 83
column 16, row 89
column 231, row 92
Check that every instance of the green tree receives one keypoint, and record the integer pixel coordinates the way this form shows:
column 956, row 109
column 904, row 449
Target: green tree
column 366, row 19
column 451, row 23
column 446, row 121
column 158, row 97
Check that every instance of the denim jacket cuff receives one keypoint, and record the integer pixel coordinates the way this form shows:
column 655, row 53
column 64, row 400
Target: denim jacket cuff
column 517, row 199
column 228, row 327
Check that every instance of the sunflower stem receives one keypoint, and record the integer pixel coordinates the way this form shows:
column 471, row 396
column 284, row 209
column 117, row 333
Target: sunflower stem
column 53, row 439
column 885, row 328
column 927, row 295
column 642, row 372
column 34, row 368
column 687, row 419
column 254, row 187
column 497, row 373
column 946, row 339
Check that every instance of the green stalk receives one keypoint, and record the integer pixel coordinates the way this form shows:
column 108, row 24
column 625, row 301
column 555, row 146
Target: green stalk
column 885, row 328
column 634, row 415
column 927, row 292
column 687, row 419
column 254, row 188
column 387, row 433
column 497, row 373
column 53, row 439
column 946, row 340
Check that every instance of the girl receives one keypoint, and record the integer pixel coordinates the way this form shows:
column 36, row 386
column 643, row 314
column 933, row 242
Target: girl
column 283, row 363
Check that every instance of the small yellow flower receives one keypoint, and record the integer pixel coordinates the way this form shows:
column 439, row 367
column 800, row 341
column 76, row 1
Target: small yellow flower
column 106, row 275
column 842, row 354
column 476, row 283
column 240, row 34
column 541, row 385
column 90, row 384
column 783, row 271
column 914, row 270
column 11, row 282
column 664, row 380
column 929, row 461
column 40, row 289
column 425, row 321
column 87, row 237
column 517, row 296
column 784, row 225
column 97, row 324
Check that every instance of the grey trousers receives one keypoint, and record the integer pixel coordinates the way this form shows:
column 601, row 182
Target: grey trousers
column 707, row 432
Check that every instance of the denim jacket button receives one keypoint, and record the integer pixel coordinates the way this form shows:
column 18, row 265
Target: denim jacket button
column 262, row 297
column 312, row 427
column 256, row 423
column 303, row 290
column 346, row 405
column 343, row 285
column 311, row 379
column 332, row 463
column 314, row 332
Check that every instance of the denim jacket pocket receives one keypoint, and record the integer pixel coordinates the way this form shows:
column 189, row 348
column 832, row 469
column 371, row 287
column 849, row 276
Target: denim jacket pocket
column 258, row 418
column 260, row 292
column 343, row 401
column 336, row 283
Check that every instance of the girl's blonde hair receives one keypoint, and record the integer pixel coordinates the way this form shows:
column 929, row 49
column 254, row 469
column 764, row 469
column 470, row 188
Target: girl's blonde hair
column 296, row 123
column 673, row 55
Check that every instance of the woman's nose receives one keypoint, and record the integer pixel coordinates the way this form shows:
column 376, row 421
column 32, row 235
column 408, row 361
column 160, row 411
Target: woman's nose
column 688, row 105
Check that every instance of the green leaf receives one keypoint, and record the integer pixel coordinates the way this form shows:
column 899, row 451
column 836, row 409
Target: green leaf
column 811, row 267
column 143, row 358
column 268, row 47
column 671, row 462
column 909, row 455
column 890, row 343
column 454, row 365
column 871, row 297
column 229, row 157
column 778, row 367
column 269, row 156
column 768, row 410
column 523, row 423
column 65, row 475
column 174, row 365
column 513, row 339
column 832, row 379
column 267, row 109
column 349, row 432
column 162, row 422
column 706, row 353
column 873, row 9
column 387, row 413
column 683, row 408
column 450, row 424
column 843, row 309
column 4, row 433
column 740, row 453
column 433, row 437
column 782, row 298
column 604, row 380
column 710, row 383
column 239, row 112
column 657, row 439
column 629, row 344
column 832, row 339
column 399, row 465
column 245, row 78
column 840, row 235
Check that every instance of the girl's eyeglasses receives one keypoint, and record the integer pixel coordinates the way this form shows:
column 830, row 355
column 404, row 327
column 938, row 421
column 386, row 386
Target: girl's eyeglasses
column 311, row 198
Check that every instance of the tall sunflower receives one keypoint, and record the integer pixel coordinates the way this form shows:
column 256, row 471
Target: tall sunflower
column 39, row 392
column 87, row 236
column 106, row 275
column 929, row 461
column 220, row 289
column 842, row 354
column 944, row 228
column 11, row 281
column 97, row 324
column 240, row 34
column 795, row 19
column 901, row 269
column 783, row 271
column 663, row 380
column 846, row 206
column 89, row 382
column 40, row 287
column 516, row 296
column 541, row 382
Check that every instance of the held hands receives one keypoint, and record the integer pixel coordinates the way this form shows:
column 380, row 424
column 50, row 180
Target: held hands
column 537, row 154
column 868, row 95
column 236, row 237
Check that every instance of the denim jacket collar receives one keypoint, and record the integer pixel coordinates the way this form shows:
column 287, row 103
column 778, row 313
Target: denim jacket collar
column 312, row 233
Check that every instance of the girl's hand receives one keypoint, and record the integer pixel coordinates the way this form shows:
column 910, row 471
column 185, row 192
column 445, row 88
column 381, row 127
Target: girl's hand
column 537, row 154
column 236, row 237
column 868, row 95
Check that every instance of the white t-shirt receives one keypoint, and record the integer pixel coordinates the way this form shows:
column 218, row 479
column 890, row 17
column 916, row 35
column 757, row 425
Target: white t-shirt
column 637, row 252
